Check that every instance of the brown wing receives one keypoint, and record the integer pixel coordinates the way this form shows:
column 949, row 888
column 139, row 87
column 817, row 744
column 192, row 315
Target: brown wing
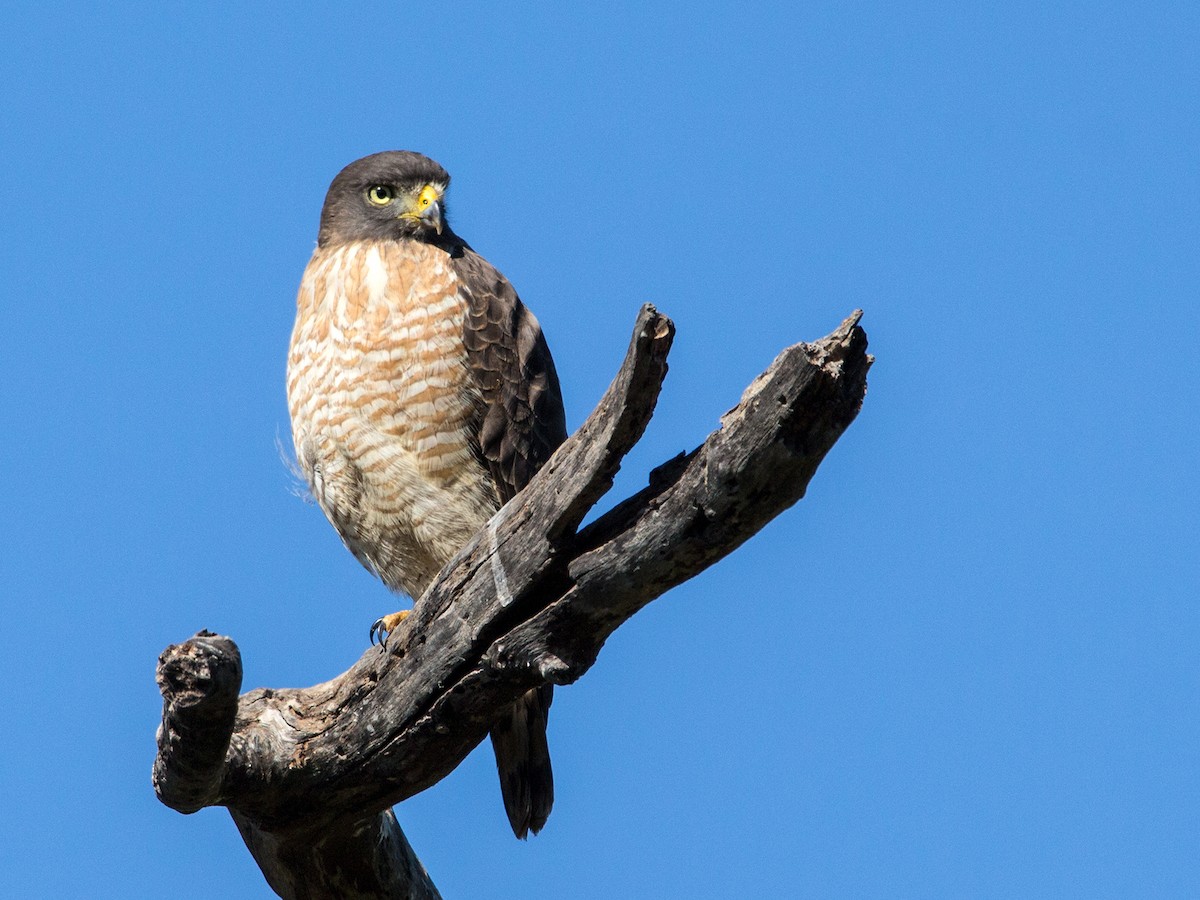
column 522, row 420
column 521, row 423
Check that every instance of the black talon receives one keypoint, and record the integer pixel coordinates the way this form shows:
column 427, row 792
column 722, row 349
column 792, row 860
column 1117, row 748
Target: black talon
column 377, row 629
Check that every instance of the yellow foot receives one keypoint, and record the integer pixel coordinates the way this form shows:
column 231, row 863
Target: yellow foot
column 383, row 627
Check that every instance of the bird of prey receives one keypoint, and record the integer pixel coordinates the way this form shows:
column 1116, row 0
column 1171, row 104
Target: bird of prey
column 423, row 397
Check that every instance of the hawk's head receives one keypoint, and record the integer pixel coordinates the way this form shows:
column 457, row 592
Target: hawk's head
column 390, row 195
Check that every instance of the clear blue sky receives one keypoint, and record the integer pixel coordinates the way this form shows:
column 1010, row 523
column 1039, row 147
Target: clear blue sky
column 964, row 665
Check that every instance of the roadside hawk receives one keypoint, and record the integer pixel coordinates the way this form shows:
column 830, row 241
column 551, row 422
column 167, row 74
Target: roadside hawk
column 423, row 397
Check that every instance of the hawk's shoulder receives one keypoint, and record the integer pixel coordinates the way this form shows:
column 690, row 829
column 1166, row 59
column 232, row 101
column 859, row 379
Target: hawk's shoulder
column 521, row 420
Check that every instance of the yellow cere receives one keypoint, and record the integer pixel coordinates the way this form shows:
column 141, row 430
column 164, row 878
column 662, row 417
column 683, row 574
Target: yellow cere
column 428, row 195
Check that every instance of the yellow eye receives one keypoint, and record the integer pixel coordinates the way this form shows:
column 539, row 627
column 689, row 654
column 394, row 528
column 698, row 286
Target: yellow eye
column 381, row 195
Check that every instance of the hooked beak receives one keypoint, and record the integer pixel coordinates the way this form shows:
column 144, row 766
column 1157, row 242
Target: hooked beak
column 432, row 215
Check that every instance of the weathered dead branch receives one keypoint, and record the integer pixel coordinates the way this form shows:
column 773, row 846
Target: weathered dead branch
column 310, row 775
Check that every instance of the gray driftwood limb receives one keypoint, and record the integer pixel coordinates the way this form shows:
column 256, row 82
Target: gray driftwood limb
column 310, row 775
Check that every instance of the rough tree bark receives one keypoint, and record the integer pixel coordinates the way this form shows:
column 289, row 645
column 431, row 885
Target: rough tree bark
column 310, row 775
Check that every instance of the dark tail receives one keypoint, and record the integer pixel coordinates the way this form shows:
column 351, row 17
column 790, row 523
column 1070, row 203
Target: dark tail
column 523, row 760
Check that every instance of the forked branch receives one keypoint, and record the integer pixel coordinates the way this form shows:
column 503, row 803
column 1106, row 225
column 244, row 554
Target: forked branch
column 310, row 775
